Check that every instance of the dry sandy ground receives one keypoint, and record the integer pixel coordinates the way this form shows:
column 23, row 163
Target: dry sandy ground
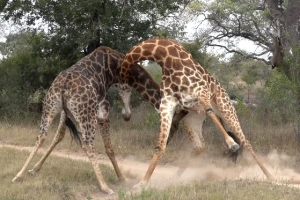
column 201, row 169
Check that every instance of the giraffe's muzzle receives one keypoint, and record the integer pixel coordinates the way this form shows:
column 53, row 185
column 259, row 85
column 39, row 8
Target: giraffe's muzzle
column 235, row 147
column 126, row 113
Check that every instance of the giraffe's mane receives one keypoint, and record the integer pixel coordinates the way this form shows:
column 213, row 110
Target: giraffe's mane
column 164, row 39
column 110, row 50
column 94, row 58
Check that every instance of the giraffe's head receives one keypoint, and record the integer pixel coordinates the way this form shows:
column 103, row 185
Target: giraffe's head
column 124, row 91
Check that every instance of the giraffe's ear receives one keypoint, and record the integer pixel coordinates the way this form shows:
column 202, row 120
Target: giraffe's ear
column 136, row 70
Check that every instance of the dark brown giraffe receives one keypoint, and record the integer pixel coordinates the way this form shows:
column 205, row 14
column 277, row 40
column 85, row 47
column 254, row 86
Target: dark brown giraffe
column 80, row 93
column 186, row 85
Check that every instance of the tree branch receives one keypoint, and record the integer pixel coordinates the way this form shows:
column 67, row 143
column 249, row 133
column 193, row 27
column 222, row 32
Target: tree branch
column 245, row 56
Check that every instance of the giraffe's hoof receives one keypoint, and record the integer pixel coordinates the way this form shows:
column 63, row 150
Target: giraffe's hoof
column 126, row 118
column 107, row 191
column 235, row 147
column 122, row 180
column 140, row 185
column 32, row 172
column 17, row 179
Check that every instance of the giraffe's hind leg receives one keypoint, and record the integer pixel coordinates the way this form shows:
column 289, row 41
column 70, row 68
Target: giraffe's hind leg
column 229, row 140
column 109, row 149
column 204, row 99
column 57, row 138
column 47, row 118
column 230, row 118
column 40, row 140
column 192, row 124
column 248, row 146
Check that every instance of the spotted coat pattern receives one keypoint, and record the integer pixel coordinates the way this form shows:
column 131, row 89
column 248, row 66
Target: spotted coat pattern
column 185, row 85
column 80, row 94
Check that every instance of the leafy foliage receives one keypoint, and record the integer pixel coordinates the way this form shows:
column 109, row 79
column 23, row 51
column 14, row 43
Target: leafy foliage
column 21, row 71
column 75, row 26
column 273, row 26
column 56, row 34
column 279, row 99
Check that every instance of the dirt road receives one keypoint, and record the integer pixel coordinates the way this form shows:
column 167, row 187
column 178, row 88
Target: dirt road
column 202, row 169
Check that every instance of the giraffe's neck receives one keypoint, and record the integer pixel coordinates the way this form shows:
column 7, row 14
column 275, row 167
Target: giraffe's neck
column 141, row 81
column 109, row 58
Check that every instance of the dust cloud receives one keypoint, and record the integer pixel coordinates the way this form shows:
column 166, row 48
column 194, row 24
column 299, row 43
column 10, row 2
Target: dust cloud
column 205, row 168
column 201, row 168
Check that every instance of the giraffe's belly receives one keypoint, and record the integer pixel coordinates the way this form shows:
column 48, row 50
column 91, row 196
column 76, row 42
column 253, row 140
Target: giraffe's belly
column 190, row 102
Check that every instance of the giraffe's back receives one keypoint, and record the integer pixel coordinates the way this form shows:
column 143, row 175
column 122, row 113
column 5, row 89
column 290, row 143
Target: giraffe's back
column 182, row 75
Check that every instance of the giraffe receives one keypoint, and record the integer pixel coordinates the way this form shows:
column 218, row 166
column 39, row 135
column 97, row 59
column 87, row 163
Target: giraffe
column 81, row 93
column 139, row 79
column 185, row 85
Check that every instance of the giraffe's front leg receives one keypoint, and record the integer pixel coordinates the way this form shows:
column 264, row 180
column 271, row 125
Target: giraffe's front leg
column 88, row 148
column 109, row 149
column 88, row 129
column 167, row 109
column 103, row 121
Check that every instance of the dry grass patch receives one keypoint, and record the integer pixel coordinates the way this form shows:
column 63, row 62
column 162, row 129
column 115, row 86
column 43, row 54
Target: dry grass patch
column 60, row 178
column 216, row 190
column 138, row 137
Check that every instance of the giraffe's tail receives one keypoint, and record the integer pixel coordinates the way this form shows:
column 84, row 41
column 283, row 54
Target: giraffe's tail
column 75, row 134
column 73, row 130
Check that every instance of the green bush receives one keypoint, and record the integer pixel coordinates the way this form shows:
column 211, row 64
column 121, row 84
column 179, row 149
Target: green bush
column 278, row 101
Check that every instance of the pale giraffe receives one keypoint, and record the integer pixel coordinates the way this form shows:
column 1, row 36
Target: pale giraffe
column 186, row 85
column 80, row 93
column 139, row 79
